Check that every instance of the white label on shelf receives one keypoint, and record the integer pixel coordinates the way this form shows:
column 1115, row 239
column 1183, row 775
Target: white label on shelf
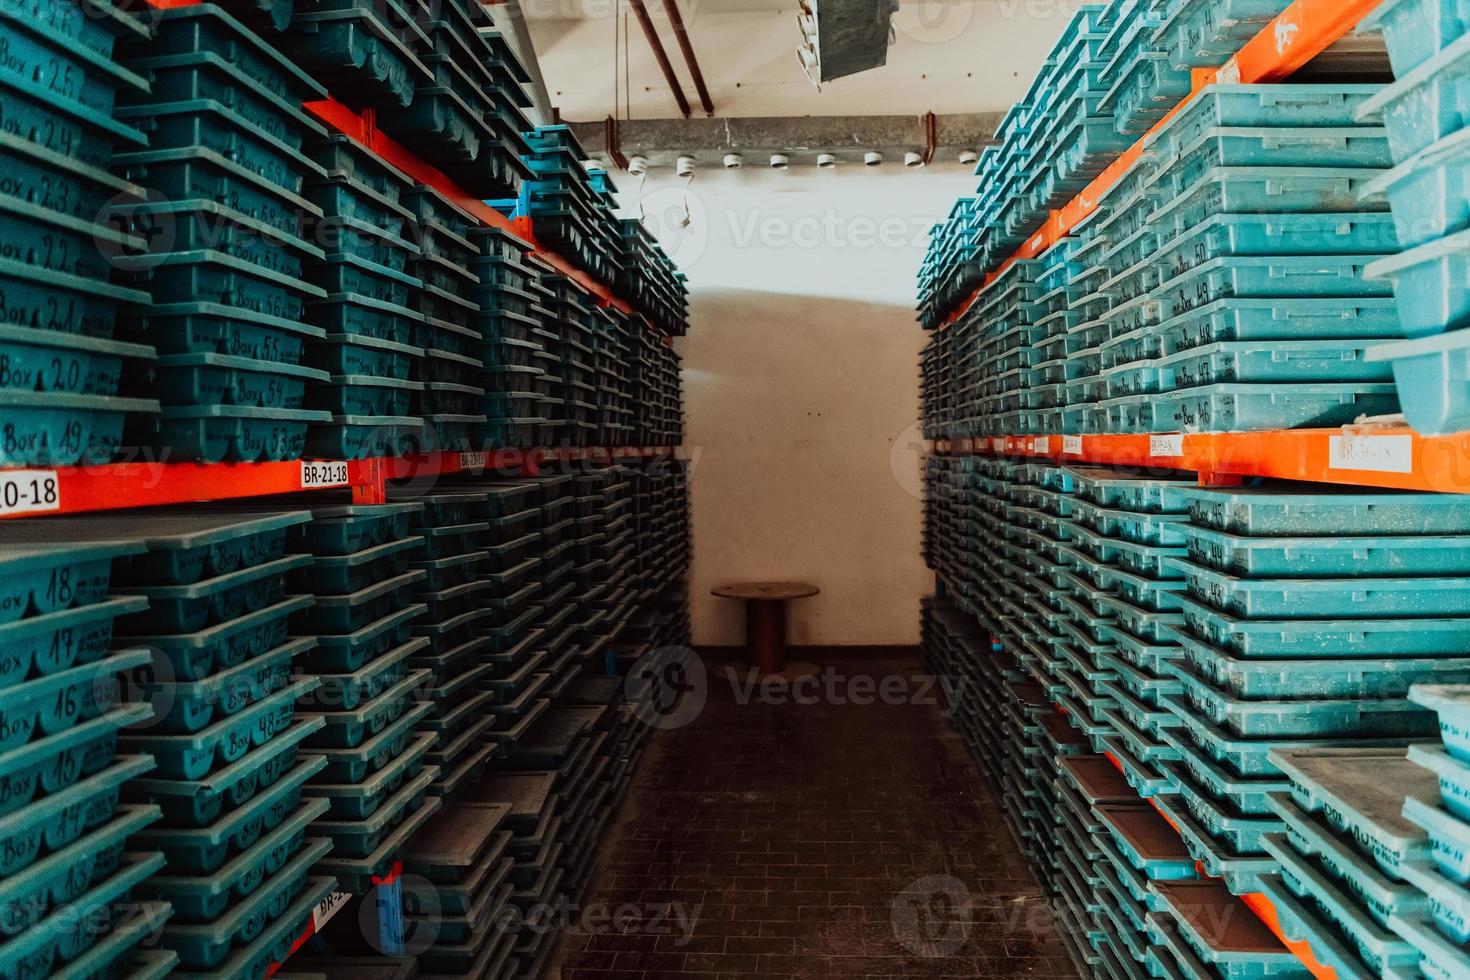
column 1072, row 445
column 1041, row 444
column 29, row 491
column 472, row 461
column 315, row 476
column 327, row 908
column 1230, row 74
column 1170, row 445
column 1378, row 454
column 998, row 443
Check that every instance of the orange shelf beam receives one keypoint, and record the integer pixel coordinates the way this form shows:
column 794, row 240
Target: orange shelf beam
column 1391, row 458
column 1298, row 34
column 41, row 492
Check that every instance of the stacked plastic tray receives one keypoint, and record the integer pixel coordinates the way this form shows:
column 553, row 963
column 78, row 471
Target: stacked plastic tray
column 1223, row 261
column 464, row 852
column 1123, row 536
column 1353, row 862
column 453, row 709
column 467, row 119
column 571, row 741
column 227, row 257
column 1279, row 651
column 69, row 845
column 222, row 675
column 1425, row 841
column 613, row 399
column 567, row 202
column 536, row 877
column 1201, row 638
column 367, row 47
column 450, row 331
column 658, row 392
column 628, row 732
column 1428, row 137
column 513, row 589
column 514, row 350
column 65, row 243
column 649, row 280
column 376, row 777
column 1116, row 70
column 370, row 331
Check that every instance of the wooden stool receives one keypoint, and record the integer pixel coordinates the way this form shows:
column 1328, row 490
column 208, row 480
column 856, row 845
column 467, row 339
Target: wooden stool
column 765, row 619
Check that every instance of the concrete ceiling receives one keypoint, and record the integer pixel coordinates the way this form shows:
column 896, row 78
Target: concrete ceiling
column 950, row 57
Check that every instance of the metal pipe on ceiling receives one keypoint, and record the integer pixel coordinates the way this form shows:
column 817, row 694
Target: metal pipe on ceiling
column 660, row 55
column 677, row 19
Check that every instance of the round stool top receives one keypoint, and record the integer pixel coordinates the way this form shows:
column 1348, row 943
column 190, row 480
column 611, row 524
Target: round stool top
column 767, row 591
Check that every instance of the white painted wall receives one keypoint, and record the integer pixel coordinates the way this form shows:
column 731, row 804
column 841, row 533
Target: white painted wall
column 802, row 359
column 951, row 56
column 802, row 389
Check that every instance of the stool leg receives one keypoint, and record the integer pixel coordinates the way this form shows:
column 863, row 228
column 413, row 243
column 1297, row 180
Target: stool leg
column 765, row 634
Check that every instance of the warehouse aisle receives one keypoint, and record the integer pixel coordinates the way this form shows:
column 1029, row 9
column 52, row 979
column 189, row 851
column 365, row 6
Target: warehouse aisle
column 788, row 834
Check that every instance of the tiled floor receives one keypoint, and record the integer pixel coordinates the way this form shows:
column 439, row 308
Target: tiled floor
column 793, row 836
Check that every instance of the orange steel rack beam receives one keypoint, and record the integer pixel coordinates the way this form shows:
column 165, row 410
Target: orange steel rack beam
column 1300, row 33
column 1388, row 457
column 39, row 492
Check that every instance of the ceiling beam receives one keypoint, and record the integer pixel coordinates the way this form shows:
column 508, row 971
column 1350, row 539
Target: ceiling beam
column 849, row 137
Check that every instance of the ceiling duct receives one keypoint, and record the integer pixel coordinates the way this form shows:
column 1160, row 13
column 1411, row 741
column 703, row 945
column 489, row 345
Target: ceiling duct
column 844, row 37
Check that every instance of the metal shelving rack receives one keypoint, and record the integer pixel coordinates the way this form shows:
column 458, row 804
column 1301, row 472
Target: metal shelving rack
column 149, row 483
column 1388, row 456
column 37, row 492
column 1385, row 456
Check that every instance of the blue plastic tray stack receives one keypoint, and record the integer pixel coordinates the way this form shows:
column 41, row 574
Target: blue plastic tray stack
column 564, row 197
column 67, row 233
column 376, row 776
column 577, row 330
column 523, row 607
column 69, row 845
column 516, row 339
column 1140, row 81
column 535, row 880
column 1354, row 864
column 1433, row 828
column 614, row 397
column 1102, row 864
column 1247, row 230
column 607, row 552
column 230, row 281
column 657, row 392
column 369, row 346
column 1073, row 135
column 558, row 621
column 1428, row 136
column 1281, row 651
column 650, row 281
column 464, row 852
column 1051, row 315
column 1005, row 345
column 220, row 673
column 369, row 48
column 265, row 17
column 1125, row 534
column 627, row 736
column 453, row 708
column 573, row 741
column 450, row 331
column 467, row 119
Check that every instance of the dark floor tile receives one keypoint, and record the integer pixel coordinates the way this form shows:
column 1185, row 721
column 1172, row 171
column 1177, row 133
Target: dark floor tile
column 790, row 831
